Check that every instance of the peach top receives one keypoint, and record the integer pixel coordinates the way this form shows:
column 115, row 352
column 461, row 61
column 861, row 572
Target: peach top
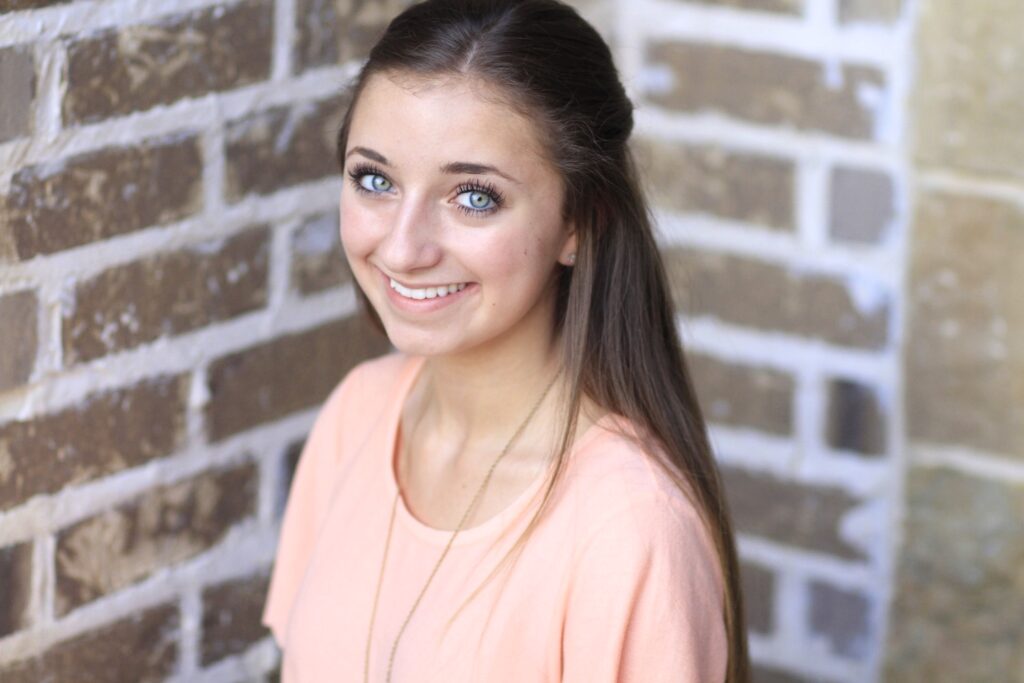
column 618, row 583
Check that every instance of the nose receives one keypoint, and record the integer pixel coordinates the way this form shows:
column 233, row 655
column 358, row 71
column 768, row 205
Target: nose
column 411, row 240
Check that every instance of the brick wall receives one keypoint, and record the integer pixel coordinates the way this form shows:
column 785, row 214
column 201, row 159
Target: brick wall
column 843, row 232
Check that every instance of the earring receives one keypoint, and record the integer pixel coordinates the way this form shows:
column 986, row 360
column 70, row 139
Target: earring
column 572, row 259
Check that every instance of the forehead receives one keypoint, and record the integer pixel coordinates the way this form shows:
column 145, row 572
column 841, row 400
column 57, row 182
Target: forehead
column 412, row 118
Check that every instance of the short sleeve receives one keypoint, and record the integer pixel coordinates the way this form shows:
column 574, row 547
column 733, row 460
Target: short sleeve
column 308, row 498
column 645, row 601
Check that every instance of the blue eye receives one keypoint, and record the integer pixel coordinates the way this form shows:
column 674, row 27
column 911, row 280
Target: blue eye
column 478, row 201
column 374, row 182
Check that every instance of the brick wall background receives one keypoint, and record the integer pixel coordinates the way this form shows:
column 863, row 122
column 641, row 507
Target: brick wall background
column 840, row 188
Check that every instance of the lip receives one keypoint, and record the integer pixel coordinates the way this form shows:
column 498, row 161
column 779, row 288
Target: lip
column 423, row 305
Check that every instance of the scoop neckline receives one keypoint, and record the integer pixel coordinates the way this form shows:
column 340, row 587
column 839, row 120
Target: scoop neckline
column 491, row 526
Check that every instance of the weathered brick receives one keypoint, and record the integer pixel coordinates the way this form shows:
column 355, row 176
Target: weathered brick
column 231, row 616
column 965, row 377
column 752, row 293
column 770, row 89
column 296, row 371
column 15, row 587
column 869, row 11
column 282, row 146
column 766, row 674
column 781, row 6
column 18, row 84
column 790, row 512
column 167, row 525
column 969, row 76
column 743, row 396
column 842, row 618
column 18, row 339
column 142, row 648
column 318, row 260
column 101, row 194
column 108, row 432
column 134, row 68
column 709, row 179
column 167, row 294
column 330, row 31
column 956, row 613
column 856, row 420
column 861, row 204
column 758, row 597
column 288, row 464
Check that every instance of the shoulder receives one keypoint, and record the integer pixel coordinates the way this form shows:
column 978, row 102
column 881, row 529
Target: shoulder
column 368, row 381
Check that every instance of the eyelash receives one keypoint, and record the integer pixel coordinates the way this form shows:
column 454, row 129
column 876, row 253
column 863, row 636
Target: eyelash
column 483, row 187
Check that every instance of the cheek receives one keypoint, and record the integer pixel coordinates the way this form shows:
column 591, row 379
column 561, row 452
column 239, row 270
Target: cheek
column 358, row 235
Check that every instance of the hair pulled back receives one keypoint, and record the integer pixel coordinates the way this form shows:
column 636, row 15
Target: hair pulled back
column 614, row 314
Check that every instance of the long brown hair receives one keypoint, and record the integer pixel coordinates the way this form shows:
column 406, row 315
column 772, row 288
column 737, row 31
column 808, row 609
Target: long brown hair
column 614, row 313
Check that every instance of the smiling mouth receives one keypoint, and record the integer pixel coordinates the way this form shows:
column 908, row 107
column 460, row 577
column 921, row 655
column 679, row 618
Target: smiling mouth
column 428, row 292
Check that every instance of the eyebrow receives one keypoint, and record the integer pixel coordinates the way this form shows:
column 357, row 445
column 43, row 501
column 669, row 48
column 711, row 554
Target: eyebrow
column 453, row 167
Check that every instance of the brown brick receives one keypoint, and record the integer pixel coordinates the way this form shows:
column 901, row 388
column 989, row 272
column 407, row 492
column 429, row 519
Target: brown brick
column 98, row 195
column 965, row 374
column 842, row 618
column 166, row 295
column 290, row 373
column 15, row 587
column 766, row 674
column 712, row 180
column 106, row 433
column 862, row 205
column 956, row 613
column 283, row 146
column 743, row 396
column 318, row 261
column 856, row 419
column 758, row 597
column 969, row 75
column 165, row 526
column 18, row 83
column 231, row 616
column 316, row 34
column 781, row 6
column 790, row 512
column 288, row 464
column 19, row 313
column 869, row 11
column 330, row 31
column 768, row 88
column 138, row 67
column 748, row 292
column 142, row 648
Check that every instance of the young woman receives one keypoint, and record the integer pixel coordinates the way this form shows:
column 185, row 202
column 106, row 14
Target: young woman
column 523, row 491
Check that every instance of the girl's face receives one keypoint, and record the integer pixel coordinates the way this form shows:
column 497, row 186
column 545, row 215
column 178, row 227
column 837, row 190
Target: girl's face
column 451, row 216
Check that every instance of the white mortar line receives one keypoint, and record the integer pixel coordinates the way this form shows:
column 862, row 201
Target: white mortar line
column 990, row 466
column 284, row 39
column 51, row 63
column 931, row 179
column 189, row 633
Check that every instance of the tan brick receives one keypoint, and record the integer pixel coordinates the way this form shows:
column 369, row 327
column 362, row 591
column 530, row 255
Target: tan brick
column 142, row 648
column 290, row 373
column 956, row 612
column 869, row 11
column 712, row 180
column 318, row 260
column 15, row 587
column 758, row 597
column 742, row 395
column 965, row 360
column 18, row 83
column 751, row 293
column 789, row 512
column 231, row 616
column 856, row 419
column 316, row 34
column 19, row 313
column 768, row 88
column 108, row 432
column 165, row 526
column 842, row 617
column 781, row 6
column 330, row 31
column 94, row 196
column 139, row 67
column 862, row 205
column 969, row 75
column 283, row 146
column 167, row 294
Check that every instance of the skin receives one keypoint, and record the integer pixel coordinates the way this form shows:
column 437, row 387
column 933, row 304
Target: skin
column 490, row 354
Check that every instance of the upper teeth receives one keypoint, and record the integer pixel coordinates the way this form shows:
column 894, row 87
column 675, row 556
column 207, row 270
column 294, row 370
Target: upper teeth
column 428, row 293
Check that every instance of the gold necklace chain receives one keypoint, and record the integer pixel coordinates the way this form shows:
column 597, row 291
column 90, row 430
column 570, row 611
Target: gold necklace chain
column 465, row 516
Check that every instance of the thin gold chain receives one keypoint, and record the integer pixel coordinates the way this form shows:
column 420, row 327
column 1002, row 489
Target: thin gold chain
column 465, row 516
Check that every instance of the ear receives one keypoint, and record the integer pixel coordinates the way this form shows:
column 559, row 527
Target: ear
column 568, row 248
